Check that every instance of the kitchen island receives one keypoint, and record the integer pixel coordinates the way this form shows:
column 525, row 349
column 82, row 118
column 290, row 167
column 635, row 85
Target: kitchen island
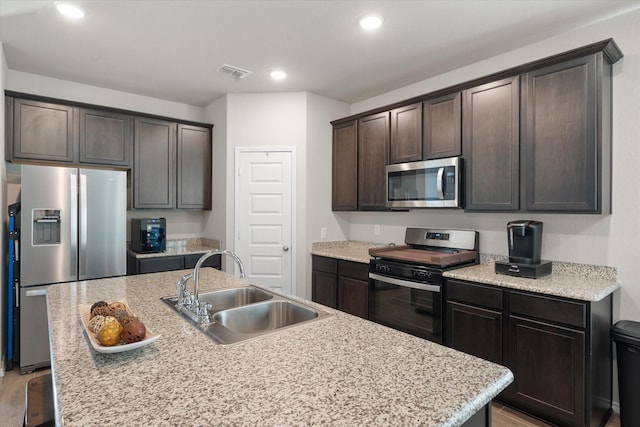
column 339, row 370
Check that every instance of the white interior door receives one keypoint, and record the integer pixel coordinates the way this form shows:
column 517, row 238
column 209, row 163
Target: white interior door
column 264, row 216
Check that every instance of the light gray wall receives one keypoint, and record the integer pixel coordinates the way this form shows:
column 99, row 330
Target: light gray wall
column 299, row 120
column 216, row 113
column 320, row 111
column 270, row 120
column 612, row 240
column 19, row 81
column 3, row 204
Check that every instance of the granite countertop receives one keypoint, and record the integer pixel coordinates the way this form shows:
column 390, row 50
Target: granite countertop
column 339, row 370
column 349, row 250
column 576, row 281
column 570, row 280
column 192, row 246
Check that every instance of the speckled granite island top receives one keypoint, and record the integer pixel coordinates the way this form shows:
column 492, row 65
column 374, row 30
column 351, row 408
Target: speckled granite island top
column 339, row 370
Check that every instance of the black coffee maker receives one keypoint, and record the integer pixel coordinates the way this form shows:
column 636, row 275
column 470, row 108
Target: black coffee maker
column 524, row 240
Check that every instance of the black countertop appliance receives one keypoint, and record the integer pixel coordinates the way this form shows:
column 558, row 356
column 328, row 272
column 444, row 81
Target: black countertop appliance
column 148, row 235
column 524, row 240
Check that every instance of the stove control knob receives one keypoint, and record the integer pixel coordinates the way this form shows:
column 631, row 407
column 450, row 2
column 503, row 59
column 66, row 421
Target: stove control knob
column 421, row 274
column 383, row 268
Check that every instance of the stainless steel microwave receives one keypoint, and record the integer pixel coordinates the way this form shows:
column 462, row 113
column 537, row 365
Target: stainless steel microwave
column 427, row 184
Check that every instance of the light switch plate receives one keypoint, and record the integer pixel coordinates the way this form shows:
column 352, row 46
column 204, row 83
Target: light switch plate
column 323, row 232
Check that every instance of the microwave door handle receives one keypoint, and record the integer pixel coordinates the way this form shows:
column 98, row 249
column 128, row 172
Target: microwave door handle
column 439, row 184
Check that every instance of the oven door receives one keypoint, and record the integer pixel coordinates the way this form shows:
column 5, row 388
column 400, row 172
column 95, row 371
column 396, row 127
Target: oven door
column 408, row 306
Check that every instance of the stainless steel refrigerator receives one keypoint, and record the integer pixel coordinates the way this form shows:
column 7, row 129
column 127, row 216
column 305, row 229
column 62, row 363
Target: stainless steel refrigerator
column 73, row 227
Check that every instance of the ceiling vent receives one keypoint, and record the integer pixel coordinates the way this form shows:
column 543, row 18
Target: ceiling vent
column 236, row 72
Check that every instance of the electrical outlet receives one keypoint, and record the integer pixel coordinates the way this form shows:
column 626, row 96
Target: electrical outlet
column 376, row 230
column 323, row 232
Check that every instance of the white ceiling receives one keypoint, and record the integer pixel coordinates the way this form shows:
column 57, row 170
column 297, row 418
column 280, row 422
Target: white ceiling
column 171, row 49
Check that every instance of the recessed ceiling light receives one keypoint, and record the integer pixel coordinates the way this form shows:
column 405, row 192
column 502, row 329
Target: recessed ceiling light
column 370, row 22
column 70, row 10
column 278, row 74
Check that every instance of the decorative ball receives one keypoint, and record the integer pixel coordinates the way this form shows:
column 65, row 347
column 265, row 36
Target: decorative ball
column 119, row 314
column 128, row 320
column 102, row 310
column 133, row 332
column 117, row 305
column 96, row 322
column 109, row 332
column 98, row 304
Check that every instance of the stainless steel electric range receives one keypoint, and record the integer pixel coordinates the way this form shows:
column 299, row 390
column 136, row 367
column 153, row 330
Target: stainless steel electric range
column 407, row 282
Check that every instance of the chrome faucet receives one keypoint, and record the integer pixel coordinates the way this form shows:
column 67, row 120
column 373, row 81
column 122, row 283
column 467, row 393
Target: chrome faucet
column 203, row 258
column 196, row 309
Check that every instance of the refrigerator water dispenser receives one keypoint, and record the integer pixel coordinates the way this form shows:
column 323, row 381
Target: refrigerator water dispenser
column 46, row 226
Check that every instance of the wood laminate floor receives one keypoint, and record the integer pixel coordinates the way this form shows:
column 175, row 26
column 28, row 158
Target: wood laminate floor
column 12, row 396
column 503, row 416
column 13, row 386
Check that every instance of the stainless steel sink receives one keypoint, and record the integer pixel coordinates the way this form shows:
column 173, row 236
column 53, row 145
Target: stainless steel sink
column 227, row 298
column 238, row 314
column 234, row 297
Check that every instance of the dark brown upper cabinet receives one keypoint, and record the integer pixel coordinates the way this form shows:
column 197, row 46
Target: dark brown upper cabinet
column 373, row 148
column 566, row 136
column 41, row 131
column 344, row 182
column 535, row 137
column 490, row 120
column 172, row 165
column 193, row 167
column 442, row 123
column 105, row 138
column 406, row 134
column 154, row 168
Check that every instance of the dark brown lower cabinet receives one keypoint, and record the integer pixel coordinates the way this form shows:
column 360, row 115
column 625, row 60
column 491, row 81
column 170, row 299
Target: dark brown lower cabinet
column 548, row 364
column 353, row 296
column 341, row 284
column 558, row 349
column 325, row 288
column 475, row 331
column 160, row 263
column 474, row 319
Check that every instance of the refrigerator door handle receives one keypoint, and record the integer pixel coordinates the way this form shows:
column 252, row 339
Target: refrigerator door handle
column 82, row 217
column 73, row 224
column 36, row 292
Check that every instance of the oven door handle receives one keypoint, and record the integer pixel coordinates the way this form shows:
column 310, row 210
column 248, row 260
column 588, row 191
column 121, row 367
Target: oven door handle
column 404, row 283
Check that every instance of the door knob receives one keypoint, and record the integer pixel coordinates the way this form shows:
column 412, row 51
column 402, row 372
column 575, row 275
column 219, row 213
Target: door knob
column 285, row 248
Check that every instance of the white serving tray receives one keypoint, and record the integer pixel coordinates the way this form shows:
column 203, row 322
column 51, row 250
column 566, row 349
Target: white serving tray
column 85, row 315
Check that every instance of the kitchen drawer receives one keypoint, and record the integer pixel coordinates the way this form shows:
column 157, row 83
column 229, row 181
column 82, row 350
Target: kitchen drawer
column 355, row 270
column 328, row 265
column 213, row 261
column 549, row 308
column 478, row 295
column 166, row 263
